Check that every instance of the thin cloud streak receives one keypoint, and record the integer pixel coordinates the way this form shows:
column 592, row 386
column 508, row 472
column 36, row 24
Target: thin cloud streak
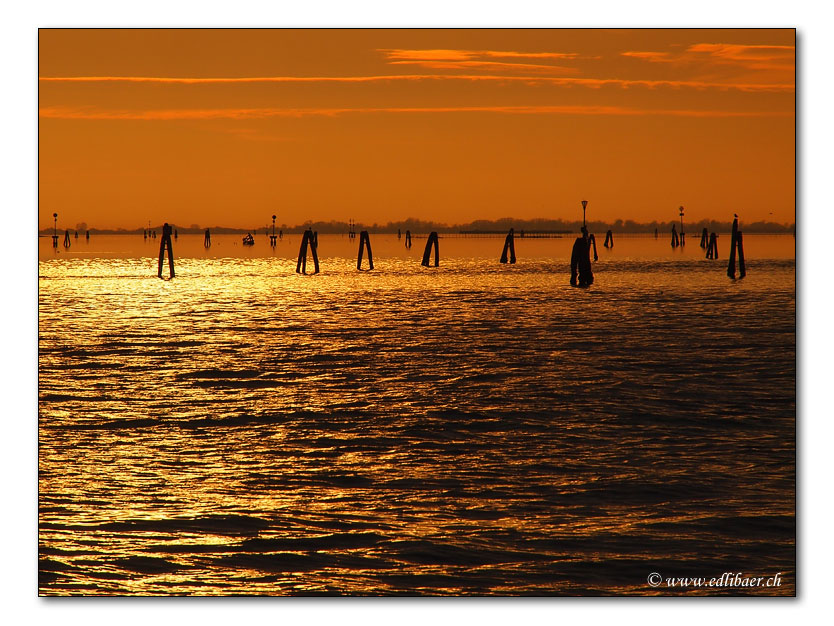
column 653, row 57
column 263, row 113
column 754, row 57
column 461, row 55
column 745, row 51
column 486, row 65
column 593, row 83
column 748, row 56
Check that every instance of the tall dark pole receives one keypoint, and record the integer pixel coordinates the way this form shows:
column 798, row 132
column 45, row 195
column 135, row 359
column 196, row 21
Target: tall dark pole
column 681, row 210
column 584, row 204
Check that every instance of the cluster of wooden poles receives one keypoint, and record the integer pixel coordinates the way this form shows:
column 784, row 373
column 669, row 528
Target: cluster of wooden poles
column 709, row 241
column 67, row 241
column 310, row 240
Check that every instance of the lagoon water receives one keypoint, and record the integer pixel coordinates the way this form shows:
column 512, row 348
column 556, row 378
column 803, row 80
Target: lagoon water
column 472, row 429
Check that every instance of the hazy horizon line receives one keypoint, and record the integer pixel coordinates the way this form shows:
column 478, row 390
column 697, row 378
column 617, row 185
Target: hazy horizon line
column 420, row 226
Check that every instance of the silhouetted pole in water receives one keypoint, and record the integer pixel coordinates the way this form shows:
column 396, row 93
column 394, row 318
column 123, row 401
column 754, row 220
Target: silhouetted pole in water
column 88, row 235
column 609, row 239
column 509, row 244
column 351, row 232
column 272, row 239
column 433, row 240
column 580, row 261
column 144, row 233
column 66, row 239
column 704, row 238
column 712, row 247
column 365, row 240
column 655, row 233
column 176, row 234
column 731, row 268
column 207, row 239
column 408, row 239
column 54, row 230
column 742, row 269
column 736, row 244
column 590, row 239
column 675, row 240
column 166, row 243
column 308, row 239
column 76, row 234
column 399, row 234
column 683, row 235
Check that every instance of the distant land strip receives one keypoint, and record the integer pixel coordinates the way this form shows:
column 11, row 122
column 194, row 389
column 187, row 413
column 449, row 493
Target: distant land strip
column 479, row 227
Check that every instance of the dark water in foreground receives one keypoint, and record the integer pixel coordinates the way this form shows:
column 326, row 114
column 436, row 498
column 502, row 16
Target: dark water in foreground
column 473, row 429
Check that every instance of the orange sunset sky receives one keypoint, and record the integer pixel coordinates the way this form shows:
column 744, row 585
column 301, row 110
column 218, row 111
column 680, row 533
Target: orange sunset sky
column 227, row 127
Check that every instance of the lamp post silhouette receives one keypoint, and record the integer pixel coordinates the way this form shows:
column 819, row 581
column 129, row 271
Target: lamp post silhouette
column 54, row 230
column 584, row 205
column 272, row 238
column 682, row 235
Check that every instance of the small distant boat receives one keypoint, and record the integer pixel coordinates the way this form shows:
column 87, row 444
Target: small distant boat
column 249, row 240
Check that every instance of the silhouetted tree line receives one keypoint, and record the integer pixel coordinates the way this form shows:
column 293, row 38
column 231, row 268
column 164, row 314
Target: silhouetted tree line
column 501, row 225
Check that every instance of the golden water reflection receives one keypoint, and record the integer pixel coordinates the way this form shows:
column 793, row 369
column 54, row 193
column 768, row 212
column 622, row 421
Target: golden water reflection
column 473, row 429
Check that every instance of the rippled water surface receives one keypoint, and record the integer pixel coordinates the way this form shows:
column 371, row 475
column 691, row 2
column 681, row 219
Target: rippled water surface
column 475, row 429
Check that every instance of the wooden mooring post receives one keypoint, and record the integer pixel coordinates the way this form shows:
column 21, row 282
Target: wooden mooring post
column 309, row 239
column 581, row 274
column 364, row 240
column 675, row 239
column 704, row 238
column 163, row 245
column 67, row 239
column 609, row 239
column 433, row 240
column 712, row 247
column 509, row 245
column 408, row 239
column 736, row 246
column 742, row 268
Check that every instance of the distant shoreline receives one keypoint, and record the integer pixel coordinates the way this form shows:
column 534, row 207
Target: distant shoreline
column 481, row 227
column 416, row 235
